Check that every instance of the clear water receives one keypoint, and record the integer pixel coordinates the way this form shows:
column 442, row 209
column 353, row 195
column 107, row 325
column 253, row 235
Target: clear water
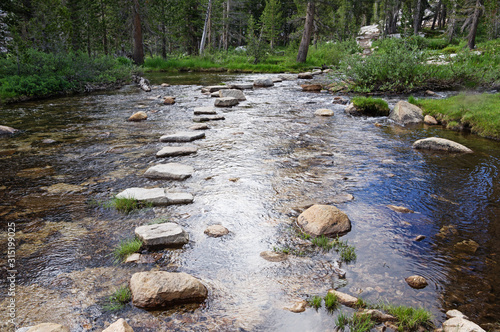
column 254, row 172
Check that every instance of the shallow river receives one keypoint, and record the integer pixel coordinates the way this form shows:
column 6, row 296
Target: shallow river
column 254, row 173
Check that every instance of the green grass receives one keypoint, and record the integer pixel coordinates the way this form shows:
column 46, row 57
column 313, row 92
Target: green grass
column 126, row 248
column 323, row 242
column 161, row 220
column 356, row 323
column 315, row 302
column 371, row 106
column 331, row 301
column 119, row 299
column 479, row 112
column 283, row 250
column 409, row 319
column 126, row 205
column 360, row 303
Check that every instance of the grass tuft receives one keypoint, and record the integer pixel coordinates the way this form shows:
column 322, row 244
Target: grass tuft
column 315, row 302
column 371, row 106
column 331, row 301
column 126, row 205
column 119, row 299
column 126, row 248
column 322, row 242
column 409, row 319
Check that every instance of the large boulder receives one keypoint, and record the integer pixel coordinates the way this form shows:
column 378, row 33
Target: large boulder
column 263, row 82
column 234, row 93
column 172, row 151
column 440, row 144
column 168, row 234
column 324, row 220
column 156, row 196
column 156, row 289
column 226, row 102
column 119, row 326
column 48, row 327
column 170, row 171
column 367, row 34
column 405, row 113
column 183, row 136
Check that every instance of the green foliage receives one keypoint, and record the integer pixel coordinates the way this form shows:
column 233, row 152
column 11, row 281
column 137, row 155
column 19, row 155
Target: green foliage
column 256, row 47
column 119, row 299
column 323, row 242
column 126, row 205
column 356, row 323
column 479, row 112
column 371, row 106
column 409, row 319
column 360, row 303
column 315, row 302
column 283, row 250
column 341, row 321
column 126, row 248
column 271, row 21
column 450, row 49
column 331, row 301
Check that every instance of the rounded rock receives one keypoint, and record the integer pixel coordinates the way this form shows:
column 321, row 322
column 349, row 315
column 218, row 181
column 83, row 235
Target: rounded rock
column 139, row 116
column 324, row 220
column 324, row 112
column 216, row 231
column 417, row 282
column 273, row 256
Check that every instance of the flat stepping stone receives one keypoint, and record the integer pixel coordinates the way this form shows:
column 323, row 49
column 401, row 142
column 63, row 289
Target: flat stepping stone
column 170, row 171
column 199, row 126
column 204, row 110
column 226, row 102
column 207, row 118
column 235, row 93
column 324, row 112
column 156, row 196
column 172, row 151
column 183, row 136
column 162, row 235
column 243, row 86
column 215, row 88
column 263, row 82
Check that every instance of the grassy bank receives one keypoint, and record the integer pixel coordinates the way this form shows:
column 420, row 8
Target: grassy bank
column 38, row 74
column 478, row 112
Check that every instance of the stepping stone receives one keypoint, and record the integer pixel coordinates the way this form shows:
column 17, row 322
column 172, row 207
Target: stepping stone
column 199, row 126
column 226, row 102
column 162, row 235
column 263, row 82
column 216, row 231
column 215, row 94
column 183, row 136
column 204, row 110
column 208, row 118
column 277, row 80
column 235, row 93
column 243, row 86
column 172, row 151
column 324, row 112
column 156, row 196
column 170, row 171
column 215, row 88
column 307, row 75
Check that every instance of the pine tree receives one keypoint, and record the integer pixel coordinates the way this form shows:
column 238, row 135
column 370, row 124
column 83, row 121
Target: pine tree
column 271, row 21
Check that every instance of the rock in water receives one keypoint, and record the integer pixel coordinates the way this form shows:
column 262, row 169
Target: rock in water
column 156, row 196
column 204, row 110
column 243, row 86
column 144, row 84
column 417, row 282
column 273, row 256
column 206, row 118
column 48, row 327
column 139, row 116
column 400, row 209
column 405, row 113
column 440, row 144
column 306, row 76
column 4, row 131
column 214, row 88
column 172, row 151
column 430, row 120
column 169, row 100
column 156, row 289
column 183, row 136
column 170, row 171
column 344, row 299
column 311, row 87
column 468, row 246
column 216, row 231
column 324, row 112
column 119, row 326
column 324, row 220
column 200, row 126
column 263, row 82
column 234, row 93
column 298, row 307
column 226, row 102
column 460, row 324
column 162, row 235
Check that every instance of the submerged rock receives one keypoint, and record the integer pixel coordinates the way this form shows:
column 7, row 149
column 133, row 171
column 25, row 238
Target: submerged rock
column 162, row 235
column 226, row 102
column 324, row 220
column 324, row 112
column 119, row 326
column 273, row 256
column 234, row 93
column 156, row 289
column 405, row 113
column 417, row 282
column 139, row 116
column 156, row 196
column 468, row 246
column 183, row 136
column 204, row 110
column 5, row 130
column 170, row 171
column 345, row 299
column 37, row 172
column 298, row 307
column 440, row 144
column 172, row 151
column 263, row 82
column 216, row 231
column 48, row 327
column 400, row 209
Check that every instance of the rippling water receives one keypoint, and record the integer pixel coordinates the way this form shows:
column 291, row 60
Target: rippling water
column 254, row 172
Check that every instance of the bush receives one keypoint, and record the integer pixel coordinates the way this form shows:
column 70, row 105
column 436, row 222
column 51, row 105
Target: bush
column 371, row 106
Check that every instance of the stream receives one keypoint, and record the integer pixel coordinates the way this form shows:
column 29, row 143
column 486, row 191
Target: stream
column 254, row 173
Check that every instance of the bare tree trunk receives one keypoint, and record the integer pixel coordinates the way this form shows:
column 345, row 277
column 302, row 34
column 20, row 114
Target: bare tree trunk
column 225, row 34
column 471, row 38
column 452, row 22
column 138, row 52
column 205, row 27
column 436, row 14
column 416, row 17
column 306, row 35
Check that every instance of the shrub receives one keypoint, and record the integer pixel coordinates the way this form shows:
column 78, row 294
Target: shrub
column 371, row 106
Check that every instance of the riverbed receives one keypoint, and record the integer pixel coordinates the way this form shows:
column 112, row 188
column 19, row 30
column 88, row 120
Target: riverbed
column 255, row 172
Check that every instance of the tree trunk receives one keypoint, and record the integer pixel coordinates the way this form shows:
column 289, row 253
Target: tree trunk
column 471, row 38
column 416, row 17
column 436, row 14
column 205, row 27
column 138, row 52
column 225, row 33
column 452, row 23
column 104, row 29
column 306, row 35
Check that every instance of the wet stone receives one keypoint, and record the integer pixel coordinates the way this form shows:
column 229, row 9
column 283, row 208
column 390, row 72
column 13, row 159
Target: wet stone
column 119, row 326
column 243, row 86
column 169, row 100
column 170, row 171
column 298, row 307
column 405, row 113
column 417, row 282
column 200, row 126
column 344, row 299
column 184, row 136
column 233, row 93
column 208, row 118
column 311, row 87
column 400, row 209
column 324, row 220
column 263, row 82
column 172, row 151
column 138, row 116
column 204, row 110
column 162, row 235
column 440, row 144
column 214, row 88
column 5, row 131
column 324, row 112
column 273, row 256
column 307, row 75
column 226, row 102
column 430, row 120
column 37, row 172
column 156, row 196
column 216, row 231
column 420, row 238
column 468, row 246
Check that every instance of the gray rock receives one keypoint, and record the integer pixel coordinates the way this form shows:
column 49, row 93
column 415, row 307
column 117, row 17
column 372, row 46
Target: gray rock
column 288, row 77
column 263, row 82
column 243, row 86
column 48, row 327
column 455, row 313
column 170, row 171
column 226, row 102
column 215, row 94
column 460, row 324
column 199, row 126
column 144, row 84
column 156, row 196
column 156, row 289
column 162, row 235
column 324, row 112
column 119, row 326
column 172, row 151
column 184, row 136
column 324, row 220
column 405, row 113
column 207, row 118
column 216, row 231
column 234, row 93
column 4, row 130
column 277, row 80
column 317, row 72
column 440, row 144
column 204, row 110
column 307, row 75
column 215, row 88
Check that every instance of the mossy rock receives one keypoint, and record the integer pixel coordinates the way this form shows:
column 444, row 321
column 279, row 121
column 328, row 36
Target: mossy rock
column 371, row 106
